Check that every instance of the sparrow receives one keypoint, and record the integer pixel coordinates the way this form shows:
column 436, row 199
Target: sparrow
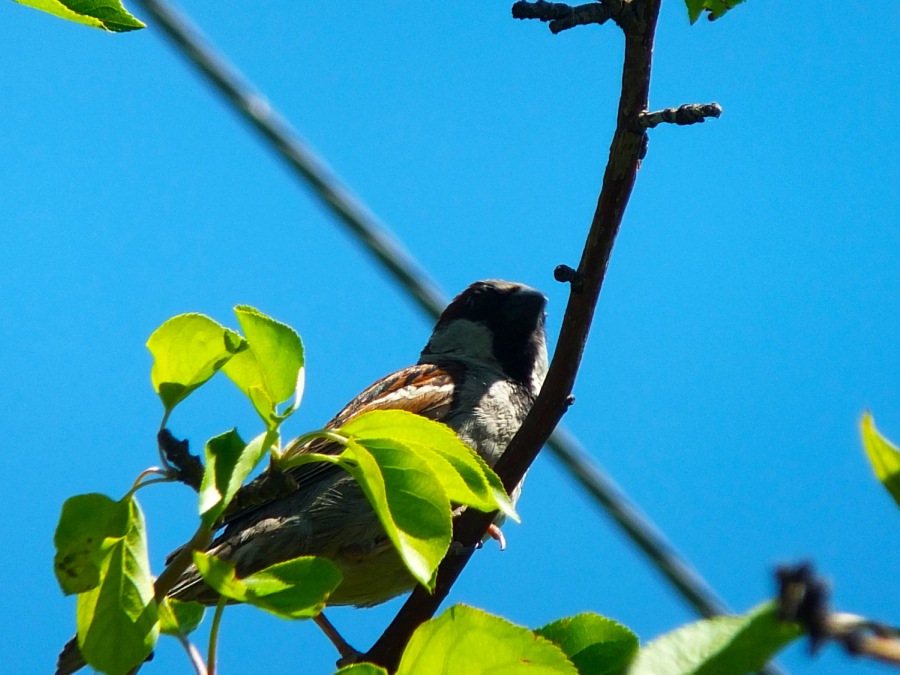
column 479, row 373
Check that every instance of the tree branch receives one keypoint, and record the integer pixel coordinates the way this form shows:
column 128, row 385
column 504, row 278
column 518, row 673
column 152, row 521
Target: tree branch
column 378, row 241
column 621, row 171
column 803, row 598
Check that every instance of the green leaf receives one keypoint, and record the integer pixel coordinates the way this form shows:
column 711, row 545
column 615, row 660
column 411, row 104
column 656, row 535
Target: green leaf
column 362, row 669
column 470, row 641
column 117, row 620
column 465, row 476
column 179, row 618
column 410, row 502
column 884, row 456
column 106, row 14
column 228, row 463
column 85, row 523
column 726, row 644
column 294, row 589
column 272, row 370
column 595, row 644
column 188, row 350
column 716, row 8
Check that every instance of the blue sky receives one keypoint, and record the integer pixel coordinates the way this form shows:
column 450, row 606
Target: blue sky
column 750, row 313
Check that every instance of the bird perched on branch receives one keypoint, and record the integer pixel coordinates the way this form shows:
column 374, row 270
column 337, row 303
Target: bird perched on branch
column 480, row 373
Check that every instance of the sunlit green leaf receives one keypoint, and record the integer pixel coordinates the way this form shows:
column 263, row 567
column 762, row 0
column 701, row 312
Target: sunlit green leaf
column 727, row 644
column 84, row 525
column 470, row 641
column 117, row 620
column 716, row 8
column 228, row 463
column 179, row 618
column 188, row 350
column 295, row 589
column 884, row 456
column 106, row 14
column 466, row 478
column 595, row 644
column 272, row 370
column 410, row 502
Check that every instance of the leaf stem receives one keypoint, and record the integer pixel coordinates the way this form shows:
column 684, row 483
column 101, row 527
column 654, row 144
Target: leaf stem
column 294, row 452
column 214, row 635
column 159, row 448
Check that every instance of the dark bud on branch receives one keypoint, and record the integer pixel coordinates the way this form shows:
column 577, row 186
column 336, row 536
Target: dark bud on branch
column 562, row 16
column 566, row 275
column 691, row 113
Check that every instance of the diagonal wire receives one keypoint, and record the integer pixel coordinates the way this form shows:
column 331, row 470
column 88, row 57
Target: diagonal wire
column 378, row 240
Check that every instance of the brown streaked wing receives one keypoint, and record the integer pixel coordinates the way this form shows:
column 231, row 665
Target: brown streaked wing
column 423, row 389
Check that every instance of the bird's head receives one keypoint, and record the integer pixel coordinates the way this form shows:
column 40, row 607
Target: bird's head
column 494, row 324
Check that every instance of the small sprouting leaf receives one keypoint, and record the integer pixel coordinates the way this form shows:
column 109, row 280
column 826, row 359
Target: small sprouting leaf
column 179, row 618
column 109, row 15
column 468, row 640
column 85, row 523
column 228, row 463
column 716, row 8
column 883, row 455
column 294, row 589
column 117, row 620
column 410, row 502
column 272, row 370
column 187, row 350
column 595, row 644
column 725, row 644
column 466, row 477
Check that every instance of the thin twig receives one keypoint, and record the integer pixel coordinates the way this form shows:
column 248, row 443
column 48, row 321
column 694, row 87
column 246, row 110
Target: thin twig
column 690, row 113
column 560, row 15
